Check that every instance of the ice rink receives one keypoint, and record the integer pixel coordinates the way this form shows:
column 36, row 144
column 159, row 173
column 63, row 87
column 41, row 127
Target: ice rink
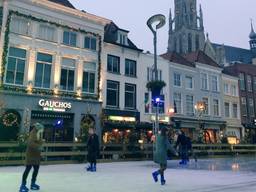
column 210, row 175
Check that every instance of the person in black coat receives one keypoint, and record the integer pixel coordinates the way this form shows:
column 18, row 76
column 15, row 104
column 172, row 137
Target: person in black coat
column 183, row 147
column 93, row 148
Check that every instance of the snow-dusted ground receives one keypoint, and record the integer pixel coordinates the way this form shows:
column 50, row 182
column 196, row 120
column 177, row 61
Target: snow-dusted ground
column 212, row 175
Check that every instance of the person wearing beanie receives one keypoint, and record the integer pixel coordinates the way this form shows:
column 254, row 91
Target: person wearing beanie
column 33, row 157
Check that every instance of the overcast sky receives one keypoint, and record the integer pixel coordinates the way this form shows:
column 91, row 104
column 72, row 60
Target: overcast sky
column 226, row 21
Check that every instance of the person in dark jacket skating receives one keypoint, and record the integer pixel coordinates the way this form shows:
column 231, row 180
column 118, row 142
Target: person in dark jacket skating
column 93, row 150
column 160, row 154
column 33, row 157
column 183, row 147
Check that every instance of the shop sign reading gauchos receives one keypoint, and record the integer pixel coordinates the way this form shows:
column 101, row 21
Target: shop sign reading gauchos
column 50, row 105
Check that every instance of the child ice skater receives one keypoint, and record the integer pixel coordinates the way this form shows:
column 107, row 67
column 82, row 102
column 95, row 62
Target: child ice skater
column 33, row 157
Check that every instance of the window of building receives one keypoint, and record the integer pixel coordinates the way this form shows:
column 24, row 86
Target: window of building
column 249, row 82
column 204, row 81
column 47, row 32
column 189, row 82
column 206, row 103
column 113, row 64
column 190, row 105
column 226, row 88
column 233, row 90
column 177, row 79
column 16, row 66
column 130, row 67
column 242, row 81
column 67, row 76
column 216, row 107
column 151, row 74
column 254, row 83
column 251, row 107
column 89, row 77
column 235, row 110
column 90, row 43
column 177, row 102
column 214, row 83
column 70, row 38
column 43, row 70
column 112, row 93
column 147, row 103
column 130, row 96
column 227, row 111
column 20, row 25
column 243, row 106
column 122, row 39
column 161, row 107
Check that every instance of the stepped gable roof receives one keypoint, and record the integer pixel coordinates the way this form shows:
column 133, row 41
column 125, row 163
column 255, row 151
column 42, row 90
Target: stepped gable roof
column 236, row 54
column 177, row 58
column 111, row 36
column 200, row 57
column 65, row 3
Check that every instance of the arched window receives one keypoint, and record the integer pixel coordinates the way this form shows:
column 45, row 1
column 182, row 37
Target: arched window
column 175, row 45
column 189, row 42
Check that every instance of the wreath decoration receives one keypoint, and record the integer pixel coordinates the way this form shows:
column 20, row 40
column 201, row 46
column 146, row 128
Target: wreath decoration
column 10, row 119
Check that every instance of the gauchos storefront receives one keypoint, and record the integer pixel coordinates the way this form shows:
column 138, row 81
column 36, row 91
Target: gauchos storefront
column 62, row 117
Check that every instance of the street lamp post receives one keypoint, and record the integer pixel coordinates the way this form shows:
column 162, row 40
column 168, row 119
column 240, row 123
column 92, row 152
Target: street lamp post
column 160, row 21
column 200, row 109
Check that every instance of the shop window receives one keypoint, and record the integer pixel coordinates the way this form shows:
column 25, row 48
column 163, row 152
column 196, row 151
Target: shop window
column 15, row 66
column 130, row 67
column 112, row 93
column 43, row 70
column 130, row 96
column 90, row 43
column 70, row 38
column 47, row 32
column 67, row 74
column 20, row 26
column 89, row 79
column 113, row 65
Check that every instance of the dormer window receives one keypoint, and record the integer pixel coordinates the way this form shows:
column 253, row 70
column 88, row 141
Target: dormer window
column 122, row 38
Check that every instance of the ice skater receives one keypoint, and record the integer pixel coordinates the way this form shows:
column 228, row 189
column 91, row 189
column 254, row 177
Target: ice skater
column 183, row 147
column 93, row 150
column 33, row 157
column 160, row 154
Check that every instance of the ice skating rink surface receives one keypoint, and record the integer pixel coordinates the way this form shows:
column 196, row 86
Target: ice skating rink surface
column 209, row 175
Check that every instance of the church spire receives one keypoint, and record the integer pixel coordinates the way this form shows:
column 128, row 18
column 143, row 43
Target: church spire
column 201, row 18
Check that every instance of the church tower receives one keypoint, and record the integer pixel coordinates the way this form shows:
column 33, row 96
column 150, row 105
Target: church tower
column 186, row 28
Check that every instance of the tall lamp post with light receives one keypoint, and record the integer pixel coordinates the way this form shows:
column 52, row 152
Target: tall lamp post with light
column 156, row 85
column 200, row 110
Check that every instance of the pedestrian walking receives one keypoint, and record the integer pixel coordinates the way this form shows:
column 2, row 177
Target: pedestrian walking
column 93, row 150
column 33, row 157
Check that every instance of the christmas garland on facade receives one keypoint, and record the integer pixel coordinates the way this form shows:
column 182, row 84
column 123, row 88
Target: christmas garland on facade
column 10, row 119
column 38, row 91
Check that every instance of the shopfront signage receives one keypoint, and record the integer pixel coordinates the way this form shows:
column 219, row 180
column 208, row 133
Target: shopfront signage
column 163, row 119
column 121, row 118
column 58, row 106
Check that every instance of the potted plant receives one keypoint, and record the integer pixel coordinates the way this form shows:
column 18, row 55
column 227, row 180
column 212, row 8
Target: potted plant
column 156, row 86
